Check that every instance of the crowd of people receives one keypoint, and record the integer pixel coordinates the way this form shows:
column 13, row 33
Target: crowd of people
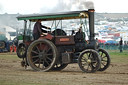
column 117, row 46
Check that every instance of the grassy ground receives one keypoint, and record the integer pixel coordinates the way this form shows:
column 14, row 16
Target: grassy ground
column 118, row 57
column 11, row 73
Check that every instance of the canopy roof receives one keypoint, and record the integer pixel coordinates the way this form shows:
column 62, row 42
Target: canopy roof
column 55, row 16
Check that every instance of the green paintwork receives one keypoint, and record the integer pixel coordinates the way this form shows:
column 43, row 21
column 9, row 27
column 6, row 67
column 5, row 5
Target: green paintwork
column 47, row 17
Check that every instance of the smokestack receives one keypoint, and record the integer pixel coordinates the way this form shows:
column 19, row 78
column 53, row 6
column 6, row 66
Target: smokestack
column 91, row 24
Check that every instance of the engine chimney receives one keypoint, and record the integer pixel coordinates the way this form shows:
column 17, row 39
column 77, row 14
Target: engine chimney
column 91, row 24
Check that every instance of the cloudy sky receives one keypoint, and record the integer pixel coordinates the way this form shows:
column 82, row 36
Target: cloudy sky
column 43, row 6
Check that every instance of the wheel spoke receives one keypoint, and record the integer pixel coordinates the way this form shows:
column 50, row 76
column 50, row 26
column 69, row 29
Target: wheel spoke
column 87, row 54
column 37, row 49
column 48, row 54
column 21, row 53
column 44, row 49
column 49, row 58
column 102, row 64
column 34, row 52
column 84, row 64
column 35, row 56
column 48, row 50
column 101, row 54
column 90, row 55
column 93, row 61
column 36, row 60
column 39, row 63
column 47, row 62
column 104, row 60
column 88, row 68
column 43, row 64
column 91, row 67
column 104, row 57
column 85, row 60
column 40, row 45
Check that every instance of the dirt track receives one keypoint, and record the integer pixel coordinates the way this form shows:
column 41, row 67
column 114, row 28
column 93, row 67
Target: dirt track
column 11, row 73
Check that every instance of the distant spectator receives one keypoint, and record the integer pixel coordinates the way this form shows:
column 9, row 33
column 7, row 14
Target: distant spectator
column 73, row 32
column 97, row 40
column 121, row 45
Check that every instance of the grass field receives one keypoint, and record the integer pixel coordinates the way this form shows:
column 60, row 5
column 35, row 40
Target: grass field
column 11, row 73
column 118, row 57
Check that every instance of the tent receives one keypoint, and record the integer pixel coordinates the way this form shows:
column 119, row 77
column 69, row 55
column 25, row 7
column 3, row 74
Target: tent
column 101, row 41
column 111, row 42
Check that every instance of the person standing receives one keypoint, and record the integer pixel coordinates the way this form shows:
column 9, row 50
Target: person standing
column 121, row 45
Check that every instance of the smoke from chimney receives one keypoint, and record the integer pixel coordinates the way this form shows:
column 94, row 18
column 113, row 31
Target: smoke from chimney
column 89, row 5
column 82, row 5
column 69, row 5
column 1, row 8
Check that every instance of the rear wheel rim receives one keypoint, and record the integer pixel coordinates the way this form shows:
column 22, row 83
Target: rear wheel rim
column 42, row 55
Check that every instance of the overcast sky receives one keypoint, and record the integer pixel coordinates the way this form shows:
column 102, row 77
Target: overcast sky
column 43, row 6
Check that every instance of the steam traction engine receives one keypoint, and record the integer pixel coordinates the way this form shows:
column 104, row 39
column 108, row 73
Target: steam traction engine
column 57, row 49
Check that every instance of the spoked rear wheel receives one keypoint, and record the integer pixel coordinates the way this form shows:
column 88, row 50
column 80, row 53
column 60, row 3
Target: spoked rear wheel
column 105, row 59
column 42, row 55
column 89, row 61
column 21, row 50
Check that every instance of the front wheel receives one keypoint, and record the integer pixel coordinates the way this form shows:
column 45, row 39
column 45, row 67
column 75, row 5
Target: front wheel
column 89, row 61
column 105, row 59
column 42, row 55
